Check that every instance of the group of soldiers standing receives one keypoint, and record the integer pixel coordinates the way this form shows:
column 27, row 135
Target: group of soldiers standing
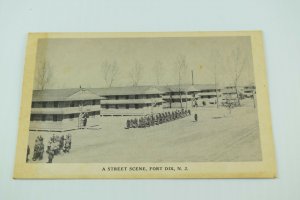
column 156, row 119
column 38, row 149
column 83, row 116
column 56, row 145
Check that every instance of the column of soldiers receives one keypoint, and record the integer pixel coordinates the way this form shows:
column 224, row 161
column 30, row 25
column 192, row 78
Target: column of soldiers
column 56, row 145
column 156, row 119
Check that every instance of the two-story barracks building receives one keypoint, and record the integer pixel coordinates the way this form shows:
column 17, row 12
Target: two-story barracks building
column 59, row 109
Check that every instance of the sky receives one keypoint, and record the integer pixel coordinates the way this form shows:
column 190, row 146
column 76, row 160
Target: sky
column 79, row 62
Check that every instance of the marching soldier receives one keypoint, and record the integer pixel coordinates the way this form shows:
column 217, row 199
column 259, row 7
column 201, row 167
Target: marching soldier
column 61, row 142
column 135, row 123
column 152, row 120
column 128, row 124
column 196, row 117
column 132, row 123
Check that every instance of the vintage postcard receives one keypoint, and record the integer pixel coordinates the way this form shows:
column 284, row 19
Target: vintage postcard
column 145, row 105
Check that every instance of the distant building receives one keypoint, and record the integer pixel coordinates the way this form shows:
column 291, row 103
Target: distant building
column 208, row 93
column 249, row 91
column 177, row 97
column 137, row 100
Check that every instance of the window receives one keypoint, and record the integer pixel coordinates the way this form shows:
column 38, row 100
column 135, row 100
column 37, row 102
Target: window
column 117, row 106
column 55, row 104
column 72, row 104
column 117, row 97
column 127, row 106
column 136, row 96
column 127, row 97
column 43, row 117
column 106, row 106
column 54, row 118
column 136, row 106
column 44, row 104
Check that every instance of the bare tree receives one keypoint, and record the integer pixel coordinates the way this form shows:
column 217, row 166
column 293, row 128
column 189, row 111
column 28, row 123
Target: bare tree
column 43, row 75
column 181, row 67
column 216, row 59
column 110, row 71
column 136, row 73
column 238, row 61
column 158, row 71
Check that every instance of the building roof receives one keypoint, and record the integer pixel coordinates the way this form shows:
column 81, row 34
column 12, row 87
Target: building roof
column 64, row 95
column 98, row 93
column 129, row 90
column 176, row 88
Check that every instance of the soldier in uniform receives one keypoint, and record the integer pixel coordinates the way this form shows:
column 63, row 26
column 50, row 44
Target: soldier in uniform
column 50, row 151
column 135, row 123
column 80, row 120
column 132, row 123
column 38, row 149
column 67, row 145
column 85, row 116
column 61, row 142
column 196, row 117
column 128, row 124
column 27, row 154
column 148, row 121
column 41, row 148
column 152, row 120
column 156, row 120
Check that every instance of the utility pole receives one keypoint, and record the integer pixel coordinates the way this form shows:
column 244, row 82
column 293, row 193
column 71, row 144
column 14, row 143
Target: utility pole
column 192, row 77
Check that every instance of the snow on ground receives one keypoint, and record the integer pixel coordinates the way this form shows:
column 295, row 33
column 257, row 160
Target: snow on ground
column 217, row 136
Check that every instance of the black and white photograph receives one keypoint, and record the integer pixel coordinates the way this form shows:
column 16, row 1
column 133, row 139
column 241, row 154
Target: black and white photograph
column 140, row 100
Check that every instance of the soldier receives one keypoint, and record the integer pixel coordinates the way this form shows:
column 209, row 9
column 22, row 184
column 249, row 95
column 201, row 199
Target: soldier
column 50, row 151
column 85, row 116
column 80, row 117
column 128, row 124
column 37, row 149
column 41, row 148
column 132, row 123
column 69, row 136
column 67, row 145
column 189, row 112
column 139, row 123
column 156, row 119
column 152, row 120
column 148, row 121
column 196, row 117
column 159, row 118
column 162, row 118
column 28, row 152
column 61, row 142
column 135, row 123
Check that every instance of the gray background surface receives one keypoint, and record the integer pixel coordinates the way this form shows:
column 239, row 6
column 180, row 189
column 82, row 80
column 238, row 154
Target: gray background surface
column 278, row 19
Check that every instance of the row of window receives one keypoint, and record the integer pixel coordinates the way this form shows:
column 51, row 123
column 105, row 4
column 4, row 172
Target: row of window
column 147, row 96
column 127, row 106
column 38, row 117
column 62, row 104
